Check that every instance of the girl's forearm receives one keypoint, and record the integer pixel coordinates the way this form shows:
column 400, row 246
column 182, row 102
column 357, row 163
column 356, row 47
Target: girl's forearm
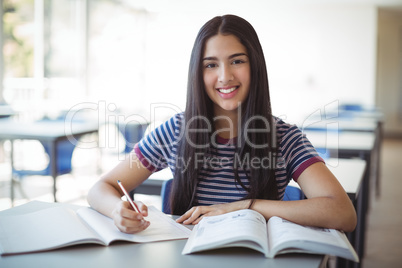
column 103, row 197
column 324, row 212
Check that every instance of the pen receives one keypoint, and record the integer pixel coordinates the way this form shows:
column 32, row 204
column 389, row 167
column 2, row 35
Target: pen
column 128, row 197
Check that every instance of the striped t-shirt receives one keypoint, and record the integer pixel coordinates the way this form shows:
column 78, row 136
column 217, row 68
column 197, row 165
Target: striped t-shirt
column 217, row 183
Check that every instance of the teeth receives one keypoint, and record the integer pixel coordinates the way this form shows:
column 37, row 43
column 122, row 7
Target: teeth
column 226, row 91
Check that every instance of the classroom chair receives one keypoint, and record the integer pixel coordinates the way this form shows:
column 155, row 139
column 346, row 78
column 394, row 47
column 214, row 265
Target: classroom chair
column 65, row 151
column 355, row 107
column 165, row 195
column 293, row 193
column 64, row 156
column 132, row 134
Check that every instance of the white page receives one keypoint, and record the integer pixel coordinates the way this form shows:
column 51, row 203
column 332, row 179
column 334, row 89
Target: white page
column 282, row 230
column 41, row 230
column 236, row 226
column 161, row 228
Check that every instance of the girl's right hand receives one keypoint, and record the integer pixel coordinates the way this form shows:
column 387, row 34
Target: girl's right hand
column 129, row 221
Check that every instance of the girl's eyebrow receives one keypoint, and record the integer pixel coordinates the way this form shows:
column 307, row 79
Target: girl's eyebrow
column 230, row 57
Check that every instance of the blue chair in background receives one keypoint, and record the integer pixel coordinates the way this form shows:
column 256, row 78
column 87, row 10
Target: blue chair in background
column 165, row 196
column 65, row 150
column 291, row 193
column 324, row 153
column 355, row 107
column 132, row 134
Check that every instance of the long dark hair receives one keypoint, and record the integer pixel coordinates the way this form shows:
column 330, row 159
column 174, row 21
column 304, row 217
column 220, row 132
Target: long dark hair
column 256, row 108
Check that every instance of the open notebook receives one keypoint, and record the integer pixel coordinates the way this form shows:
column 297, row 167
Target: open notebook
column 59, row 227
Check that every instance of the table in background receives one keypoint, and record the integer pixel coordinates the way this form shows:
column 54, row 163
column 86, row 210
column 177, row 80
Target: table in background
column 165, row 254
column 6, row 111
column 356, row 122
column 348, row 144
column 49, row 132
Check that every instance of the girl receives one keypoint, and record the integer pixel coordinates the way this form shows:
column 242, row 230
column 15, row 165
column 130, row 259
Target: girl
column 227, row 151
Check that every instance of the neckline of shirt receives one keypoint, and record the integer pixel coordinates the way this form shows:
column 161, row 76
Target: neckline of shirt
column 225, row 141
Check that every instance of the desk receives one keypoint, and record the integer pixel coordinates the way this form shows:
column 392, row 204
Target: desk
column 351, row 173
column 343, row 125
column 153, row 185
column 49, row 132
column 345, row 143
column 5, row 111
column 355, row 124
column 165, row 254
column 348, row 144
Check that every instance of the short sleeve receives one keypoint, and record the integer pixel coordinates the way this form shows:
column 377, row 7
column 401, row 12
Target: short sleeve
column 297, row 151
column 157, row 150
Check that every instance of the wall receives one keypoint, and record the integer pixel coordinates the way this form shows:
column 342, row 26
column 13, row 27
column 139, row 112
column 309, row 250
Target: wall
column 316, row 54
column 389, row 74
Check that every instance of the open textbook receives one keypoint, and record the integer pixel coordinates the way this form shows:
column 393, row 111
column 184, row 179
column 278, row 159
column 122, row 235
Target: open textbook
column 248, row 228
column 58, row 227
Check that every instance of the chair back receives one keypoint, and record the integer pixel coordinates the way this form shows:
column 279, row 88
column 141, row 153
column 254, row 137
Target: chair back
column 165, row 196
column 64, row 150
column 293, row 193
column 132, row 134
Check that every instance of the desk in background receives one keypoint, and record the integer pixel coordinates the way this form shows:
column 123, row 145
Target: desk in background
column 347, row 144
column 6, row 111
column 353, row 117
column 165, row 254
column 355, row 123
column 48, row 132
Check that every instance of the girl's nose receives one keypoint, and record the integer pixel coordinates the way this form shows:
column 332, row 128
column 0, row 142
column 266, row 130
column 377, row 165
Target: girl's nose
column 225, row 74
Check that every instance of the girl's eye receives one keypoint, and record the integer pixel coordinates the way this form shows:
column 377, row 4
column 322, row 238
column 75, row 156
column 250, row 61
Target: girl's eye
column 237, row 62
column 210, row 65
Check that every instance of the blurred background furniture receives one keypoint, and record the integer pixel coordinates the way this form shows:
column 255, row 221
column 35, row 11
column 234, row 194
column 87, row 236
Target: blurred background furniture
column 132, row 133
column 58, row 139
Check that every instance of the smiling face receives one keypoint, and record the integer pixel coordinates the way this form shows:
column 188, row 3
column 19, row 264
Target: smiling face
column 226, row 72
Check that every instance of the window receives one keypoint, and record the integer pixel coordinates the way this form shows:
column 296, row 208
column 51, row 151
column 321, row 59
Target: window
column 60, row 53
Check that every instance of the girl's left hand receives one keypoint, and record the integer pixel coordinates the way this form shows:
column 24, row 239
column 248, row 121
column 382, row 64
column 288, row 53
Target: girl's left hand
column 195, row 214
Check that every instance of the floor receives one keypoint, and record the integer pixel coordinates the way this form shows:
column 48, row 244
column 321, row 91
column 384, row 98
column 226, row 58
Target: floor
column 383, row 237
column 383, row 240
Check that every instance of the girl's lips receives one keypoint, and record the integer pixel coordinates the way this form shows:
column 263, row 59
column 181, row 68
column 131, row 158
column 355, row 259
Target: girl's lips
column 227, row 92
